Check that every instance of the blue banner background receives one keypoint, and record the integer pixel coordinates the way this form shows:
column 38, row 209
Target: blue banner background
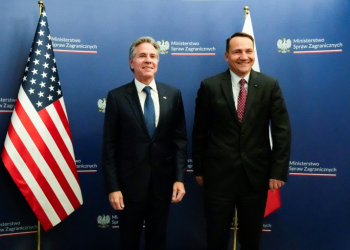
column 314, row 212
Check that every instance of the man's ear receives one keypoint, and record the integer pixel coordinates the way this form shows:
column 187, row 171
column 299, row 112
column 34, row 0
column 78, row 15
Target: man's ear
column 131, row 63
column 226, row 56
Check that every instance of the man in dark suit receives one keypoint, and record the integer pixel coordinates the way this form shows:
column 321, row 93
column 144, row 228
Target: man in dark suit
column 144, row 150
column 232, row 156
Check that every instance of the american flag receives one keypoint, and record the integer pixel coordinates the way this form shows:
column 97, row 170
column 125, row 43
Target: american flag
column 38, row 150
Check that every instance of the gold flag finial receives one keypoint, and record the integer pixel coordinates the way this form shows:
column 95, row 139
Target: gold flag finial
column 41, row 6
column 246, row 11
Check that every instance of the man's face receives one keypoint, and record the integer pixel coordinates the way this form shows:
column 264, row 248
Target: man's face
column 145, row 63
column 241, row 55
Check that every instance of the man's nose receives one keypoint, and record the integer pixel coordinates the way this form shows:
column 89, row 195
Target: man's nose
column 148, row 59
column 243, row 56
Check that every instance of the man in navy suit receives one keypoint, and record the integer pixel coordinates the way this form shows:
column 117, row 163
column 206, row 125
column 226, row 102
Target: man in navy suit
column 144, row 150
column 232, row 156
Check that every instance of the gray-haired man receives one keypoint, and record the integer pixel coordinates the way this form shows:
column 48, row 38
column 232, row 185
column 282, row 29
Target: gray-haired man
column 144, row 150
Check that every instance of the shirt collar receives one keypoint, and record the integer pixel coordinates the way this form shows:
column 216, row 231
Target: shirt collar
column 140, row 85
column 235, row 78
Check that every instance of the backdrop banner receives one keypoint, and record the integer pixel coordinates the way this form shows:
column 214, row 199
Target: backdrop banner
column 304, row 44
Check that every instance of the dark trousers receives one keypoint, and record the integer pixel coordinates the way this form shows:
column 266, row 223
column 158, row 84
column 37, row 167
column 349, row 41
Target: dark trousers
column 219, row 212
column 151, row 210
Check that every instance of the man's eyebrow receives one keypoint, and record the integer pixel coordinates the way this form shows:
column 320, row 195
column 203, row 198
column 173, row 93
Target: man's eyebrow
column 145, row 53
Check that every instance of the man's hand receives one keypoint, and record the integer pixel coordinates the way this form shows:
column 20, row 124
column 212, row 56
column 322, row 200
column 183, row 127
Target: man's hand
column 199, row 180
column 275, row 184
column 178, row 192
column 116, row 200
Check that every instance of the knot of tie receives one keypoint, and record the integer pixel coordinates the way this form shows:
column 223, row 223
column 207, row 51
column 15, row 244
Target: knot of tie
column 147, row 89
column 242, row 82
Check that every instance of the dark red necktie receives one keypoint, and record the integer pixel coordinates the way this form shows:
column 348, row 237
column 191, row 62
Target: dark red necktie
column 242, row 97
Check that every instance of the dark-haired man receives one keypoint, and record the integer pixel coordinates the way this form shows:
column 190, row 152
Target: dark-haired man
column 232, row 156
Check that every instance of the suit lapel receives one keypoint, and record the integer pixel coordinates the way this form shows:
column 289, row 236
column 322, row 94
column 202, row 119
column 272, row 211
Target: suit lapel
column 163, row 104
column 226, row 86
column 133, row 98
column 252, row 89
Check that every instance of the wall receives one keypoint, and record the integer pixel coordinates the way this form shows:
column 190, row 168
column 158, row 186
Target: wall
column 315, row 200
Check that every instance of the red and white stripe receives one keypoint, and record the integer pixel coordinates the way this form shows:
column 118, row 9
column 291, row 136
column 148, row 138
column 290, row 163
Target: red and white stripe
column 38, row 153
column 318, row 51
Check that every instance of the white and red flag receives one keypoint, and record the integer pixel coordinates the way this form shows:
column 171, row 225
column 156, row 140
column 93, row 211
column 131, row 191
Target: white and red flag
column 273, row 199
column 38, row 151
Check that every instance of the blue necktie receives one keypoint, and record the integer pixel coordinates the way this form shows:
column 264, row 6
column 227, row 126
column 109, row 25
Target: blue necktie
column 148, row 111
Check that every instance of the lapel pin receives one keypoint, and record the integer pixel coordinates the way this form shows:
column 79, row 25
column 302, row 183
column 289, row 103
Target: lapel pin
column 164, row 97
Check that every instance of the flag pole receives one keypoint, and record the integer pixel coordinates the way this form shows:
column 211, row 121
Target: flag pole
column 235, row 231
column 39, row 239
column 41, row 6
column 246, row 12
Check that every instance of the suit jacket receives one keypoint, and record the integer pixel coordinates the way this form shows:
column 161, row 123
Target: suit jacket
column 222, row 145
column 132, row 161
